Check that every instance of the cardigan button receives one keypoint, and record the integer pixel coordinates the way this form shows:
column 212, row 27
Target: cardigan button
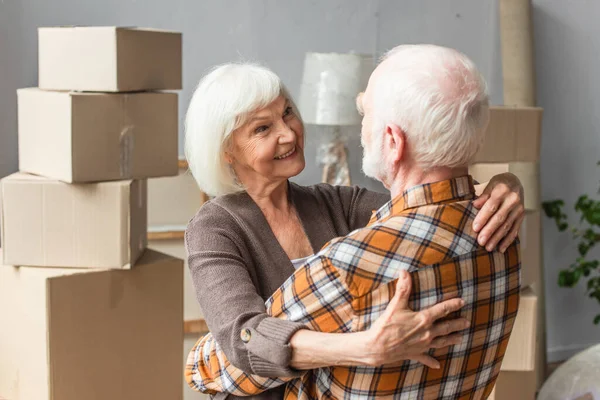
column 245, row 334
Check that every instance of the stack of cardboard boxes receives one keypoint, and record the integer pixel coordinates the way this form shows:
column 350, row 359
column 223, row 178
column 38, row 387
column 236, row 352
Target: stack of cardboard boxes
column 512, row 144
column 167, row 221
column 87, row 312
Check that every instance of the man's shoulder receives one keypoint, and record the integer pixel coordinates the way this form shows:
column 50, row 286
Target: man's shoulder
column 409, row 240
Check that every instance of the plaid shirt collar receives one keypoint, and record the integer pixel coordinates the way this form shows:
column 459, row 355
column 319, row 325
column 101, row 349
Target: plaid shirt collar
column 455, row 189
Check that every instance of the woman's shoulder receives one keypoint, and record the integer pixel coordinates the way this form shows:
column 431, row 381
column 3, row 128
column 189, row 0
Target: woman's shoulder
column 217, row 213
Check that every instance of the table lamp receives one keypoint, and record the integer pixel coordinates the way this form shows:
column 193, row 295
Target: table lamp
column 330, row 84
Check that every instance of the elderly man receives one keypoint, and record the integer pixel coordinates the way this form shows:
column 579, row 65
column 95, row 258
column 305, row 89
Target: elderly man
column 424, row 110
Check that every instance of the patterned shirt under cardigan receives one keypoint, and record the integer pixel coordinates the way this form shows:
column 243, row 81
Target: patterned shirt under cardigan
column 347, row 285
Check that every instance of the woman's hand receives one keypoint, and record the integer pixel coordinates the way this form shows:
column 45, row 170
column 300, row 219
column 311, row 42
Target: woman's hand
column 501, row 212
column 402, row 334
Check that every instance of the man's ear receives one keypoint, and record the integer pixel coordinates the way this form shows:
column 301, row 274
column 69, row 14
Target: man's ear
column 395, row 139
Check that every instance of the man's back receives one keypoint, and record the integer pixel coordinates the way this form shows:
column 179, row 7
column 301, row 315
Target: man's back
column 348, row 284
column 427, row 232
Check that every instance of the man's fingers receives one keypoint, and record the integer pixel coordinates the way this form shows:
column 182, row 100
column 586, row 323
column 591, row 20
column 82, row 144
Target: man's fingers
column 504, row 227
column 446, row 341
column 443, row 309
column 510, row 238
column 427, row 361
column 443, row 329
column 403, row 287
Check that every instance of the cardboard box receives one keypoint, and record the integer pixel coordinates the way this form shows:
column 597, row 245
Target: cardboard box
column 514, row 386
column 73, row 334
column 513, row 134
column 176, row 248
column 528, row 174
column 109, row 59
column 531, row 249
column 518, row 379
column 163, row 212
column 521, row 351
column 50, row 223
column 91, row 137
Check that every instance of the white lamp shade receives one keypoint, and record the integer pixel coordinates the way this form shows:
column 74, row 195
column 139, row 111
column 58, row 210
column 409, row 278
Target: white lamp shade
column 330, row 84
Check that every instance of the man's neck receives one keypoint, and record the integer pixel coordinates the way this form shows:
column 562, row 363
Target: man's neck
column 405, row 180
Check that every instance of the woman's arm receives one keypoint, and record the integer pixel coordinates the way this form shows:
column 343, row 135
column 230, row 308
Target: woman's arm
column 229, row 300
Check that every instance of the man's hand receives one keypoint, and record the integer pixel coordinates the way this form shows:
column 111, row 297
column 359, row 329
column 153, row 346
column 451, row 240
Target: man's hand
column 401, row 334
column 501, row 212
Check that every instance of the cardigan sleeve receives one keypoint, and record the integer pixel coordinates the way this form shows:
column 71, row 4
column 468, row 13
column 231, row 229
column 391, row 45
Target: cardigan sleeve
column 316, row 295
column 228, row 298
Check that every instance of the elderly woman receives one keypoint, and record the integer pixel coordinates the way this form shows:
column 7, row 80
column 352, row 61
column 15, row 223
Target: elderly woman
column 244, row 141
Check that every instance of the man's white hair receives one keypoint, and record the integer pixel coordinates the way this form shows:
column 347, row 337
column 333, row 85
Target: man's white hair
column 439, row 99
column 222, row 102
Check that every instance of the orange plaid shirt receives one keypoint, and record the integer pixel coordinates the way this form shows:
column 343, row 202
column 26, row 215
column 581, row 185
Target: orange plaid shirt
column 344, row 288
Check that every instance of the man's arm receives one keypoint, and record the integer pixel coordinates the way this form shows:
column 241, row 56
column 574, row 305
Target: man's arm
column 209, row 371
column 319, row 296
column 315, row 295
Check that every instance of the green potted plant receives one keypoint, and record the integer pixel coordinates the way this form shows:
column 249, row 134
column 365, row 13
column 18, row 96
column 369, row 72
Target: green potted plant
column 587, row 234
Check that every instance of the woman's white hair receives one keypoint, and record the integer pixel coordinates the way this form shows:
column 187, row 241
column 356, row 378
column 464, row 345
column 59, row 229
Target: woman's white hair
column 222, row 102
column 439, row 99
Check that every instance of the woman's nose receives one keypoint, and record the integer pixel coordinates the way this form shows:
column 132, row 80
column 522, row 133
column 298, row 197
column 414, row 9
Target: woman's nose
column 286, row 134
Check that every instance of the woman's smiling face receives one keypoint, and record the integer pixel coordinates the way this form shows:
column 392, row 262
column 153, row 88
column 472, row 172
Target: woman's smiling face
column 269, row 147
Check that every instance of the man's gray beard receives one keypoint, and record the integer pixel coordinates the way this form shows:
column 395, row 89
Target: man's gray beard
column 372, row 163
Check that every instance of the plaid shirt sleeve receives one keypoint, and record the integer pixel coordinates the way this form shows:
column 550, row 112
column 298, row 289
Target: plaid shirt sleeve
column 316, row 294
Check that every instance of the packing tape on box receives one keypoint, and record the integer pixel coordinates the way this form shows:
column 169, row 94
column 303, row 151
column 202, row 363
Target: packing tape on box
column 126, row 140
column 126, row 149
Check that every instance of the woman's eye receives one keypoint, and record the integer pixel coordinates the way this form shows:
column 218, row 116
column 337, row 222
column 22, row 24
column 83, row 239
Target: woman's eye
column 288, row 111
column 261, row 129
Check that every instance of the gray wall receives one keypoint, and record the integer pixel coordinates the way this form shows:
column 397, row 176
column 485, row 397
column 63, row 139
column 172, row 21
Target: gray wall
column 567, row 49
column 279, row 32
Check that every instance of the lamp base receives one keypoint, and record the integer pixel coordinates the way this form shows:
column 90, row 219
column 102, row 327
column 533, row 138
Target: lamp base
column 336, row 170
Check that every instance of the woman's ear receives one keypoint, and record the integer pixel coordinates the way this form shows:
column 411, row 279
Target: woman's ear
column 227, row 153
